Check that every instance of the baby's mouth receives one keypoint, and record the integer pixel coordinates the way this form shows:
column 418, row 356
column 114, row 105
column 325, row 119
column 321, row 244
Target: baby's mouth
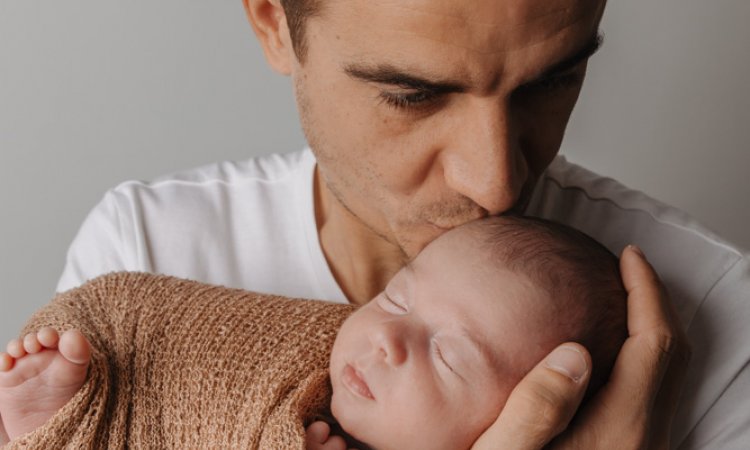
column 355, row 382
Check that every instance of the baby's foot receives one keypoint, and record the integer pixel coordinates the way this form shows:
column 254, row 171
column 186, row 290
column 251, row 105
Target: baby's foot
column 38, row 376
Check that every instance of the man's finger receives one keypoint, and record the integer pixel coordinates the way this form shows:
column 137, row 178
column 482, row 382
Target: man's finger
column 669, row 394
column 649, row 307
column 655, row 335
column 669, row 341
column 543, row 403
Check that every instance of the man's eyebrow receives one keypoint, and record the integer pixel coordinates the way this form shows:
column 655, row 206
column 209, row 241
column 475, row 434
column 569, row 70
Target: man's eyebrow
column 592, row 46
column 388, row 74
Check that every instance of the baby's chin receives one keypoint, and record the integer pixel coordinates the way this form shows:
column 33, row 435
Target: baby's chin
column 354, row 439
column 341, row 411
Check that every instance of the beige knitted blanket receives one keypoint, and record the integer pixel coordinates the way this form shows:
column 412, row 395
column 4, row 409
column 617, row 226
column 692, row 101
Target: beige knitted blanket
column 182, row 365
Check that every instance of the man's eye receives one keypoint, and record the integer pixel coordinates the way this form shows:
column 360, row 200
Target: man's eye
column 412, row 100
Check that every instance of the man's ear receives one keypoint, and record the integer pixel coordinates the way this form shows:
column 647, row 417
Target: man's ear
column 268, row 20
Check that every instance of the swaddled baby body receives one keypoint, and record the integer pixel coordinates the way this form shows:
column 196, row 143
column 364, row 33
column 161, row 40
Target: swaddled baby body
column 428, row 363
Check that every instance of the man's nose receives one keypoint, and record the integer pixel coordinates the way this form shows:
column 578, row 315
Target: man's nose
column 482, row 159
column 389, row 340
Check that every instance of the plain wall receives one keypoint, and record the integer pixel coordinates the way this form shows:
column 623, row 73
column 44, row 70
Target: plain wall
column 93, row 93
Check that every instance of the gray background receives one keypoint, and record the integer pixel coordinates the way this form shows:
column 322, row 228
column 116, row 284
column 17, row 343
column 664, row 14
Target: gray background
column 96, row 92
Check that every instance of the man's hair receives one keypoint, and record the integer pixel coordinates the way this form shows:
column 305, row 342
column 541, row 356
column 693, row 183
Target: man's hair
column 297, row 12
column 579, row 273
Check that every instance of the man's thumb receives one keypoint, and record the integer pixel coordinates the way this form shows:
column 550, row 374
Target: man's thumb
column 543, row 403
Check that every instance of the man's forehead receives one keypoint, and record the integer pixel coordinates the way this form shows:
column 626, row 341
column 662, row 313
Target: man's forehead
column 487, row 44
column 483, row 26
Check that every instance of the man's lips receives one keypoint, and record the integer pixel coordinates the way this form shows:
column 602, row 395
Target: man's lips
column 440, row 227
column 447, row 226
column 353, row 380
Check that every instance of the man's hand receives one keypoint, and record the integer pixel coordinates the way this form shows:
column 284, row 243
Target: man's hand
column 634, row 410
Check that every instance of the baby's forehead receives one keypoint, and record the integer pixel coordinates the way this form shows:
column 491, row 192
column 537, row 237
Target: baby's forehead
column 459, row 244
column 461, row 248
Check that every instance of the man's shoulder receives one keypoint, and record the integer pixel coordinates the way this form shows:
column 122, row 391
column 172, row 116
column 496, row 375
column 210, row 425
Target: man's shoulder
column 570, row 193
column 689, row 257
column 265, row 169
column 258, row 194
column 240, row 224
column 270, row 183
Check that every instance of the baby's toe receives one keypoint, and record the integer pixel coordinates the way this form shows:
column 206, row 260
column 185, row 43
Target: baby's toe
column 74, row 347
column 31, row 343
column 6, row 362
column 15, row 349
column 48, row 337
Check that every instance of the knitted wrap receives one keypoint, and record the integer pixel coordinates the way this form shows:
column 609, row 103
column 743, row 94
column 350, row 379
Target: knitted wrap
column 181, row 365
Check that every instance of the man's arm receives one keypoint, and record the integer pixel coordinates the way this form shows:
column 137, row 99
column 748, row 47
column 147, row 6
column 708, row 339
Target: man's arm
column 634, row 410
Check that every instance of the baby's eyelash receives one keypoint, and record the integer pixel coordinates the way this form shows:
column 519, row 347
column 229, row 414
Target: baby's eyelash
column 397, row 305
column 439, row 354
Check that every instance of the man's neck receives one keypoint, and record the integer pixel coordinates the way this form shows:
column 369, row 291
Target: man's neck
column 361, row 261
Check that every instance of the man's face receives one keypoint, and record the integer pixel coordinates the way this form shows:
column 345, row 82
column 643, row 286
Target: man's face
column 430, row 361
column 426, row 114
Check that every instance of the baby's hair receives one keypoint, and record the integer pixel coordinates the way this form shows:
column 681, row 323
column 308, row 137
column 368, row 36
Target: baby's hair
column 580, row 274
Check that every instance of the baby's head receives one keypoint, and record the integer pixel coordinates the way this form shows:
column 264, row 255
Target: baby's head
column 433, row 358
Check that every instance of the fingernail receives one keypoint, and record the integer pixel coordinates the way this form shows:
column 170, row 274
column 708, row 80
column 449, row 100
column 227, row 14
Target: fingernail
column 637, row 250
column 568, row 361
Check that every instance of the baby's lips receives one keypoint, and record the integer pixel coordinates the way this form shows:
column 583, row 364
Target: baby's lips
column 356, row 383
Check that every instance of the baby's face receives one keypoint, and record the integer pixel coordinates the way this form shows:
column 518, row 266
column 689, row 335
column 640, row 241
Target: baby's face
column 429, row 362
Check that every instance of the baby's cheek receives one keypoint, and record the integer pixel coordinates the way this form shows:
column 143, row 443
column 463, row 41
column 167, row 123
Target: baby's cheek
column 488, row 404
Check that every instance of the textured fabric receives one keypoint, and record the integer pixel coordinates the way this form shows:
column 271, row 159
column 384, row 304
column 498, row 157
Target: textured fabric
column 178, row 365
column 251, row 225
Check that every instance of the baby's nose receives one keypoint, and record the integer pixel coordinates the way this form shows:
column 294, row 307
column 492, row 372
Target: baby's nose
column 389, row 342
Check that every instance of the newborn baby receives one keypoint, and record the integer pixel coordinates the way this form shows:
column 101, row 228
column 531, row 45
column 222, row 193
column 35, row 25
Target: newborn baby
column 428, row 363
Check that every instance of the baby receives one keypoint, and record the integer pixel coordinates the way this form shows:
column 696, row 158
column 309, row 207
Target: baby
column 429, row 362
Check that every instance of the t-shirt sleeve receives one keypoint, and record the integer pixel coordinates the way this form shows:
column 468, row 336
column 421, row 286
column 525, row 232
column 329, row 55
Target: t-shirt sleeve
column 104, row 244
column 724, row 319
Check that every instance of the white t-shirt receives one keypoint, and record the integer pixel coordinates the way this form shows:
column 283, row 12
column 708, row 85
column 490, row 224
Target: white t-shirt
column 251, row 225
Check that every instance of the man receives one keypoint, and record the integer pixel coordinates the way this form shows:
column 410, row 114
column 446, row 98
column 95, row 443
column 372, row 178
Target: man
column 422, row 115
